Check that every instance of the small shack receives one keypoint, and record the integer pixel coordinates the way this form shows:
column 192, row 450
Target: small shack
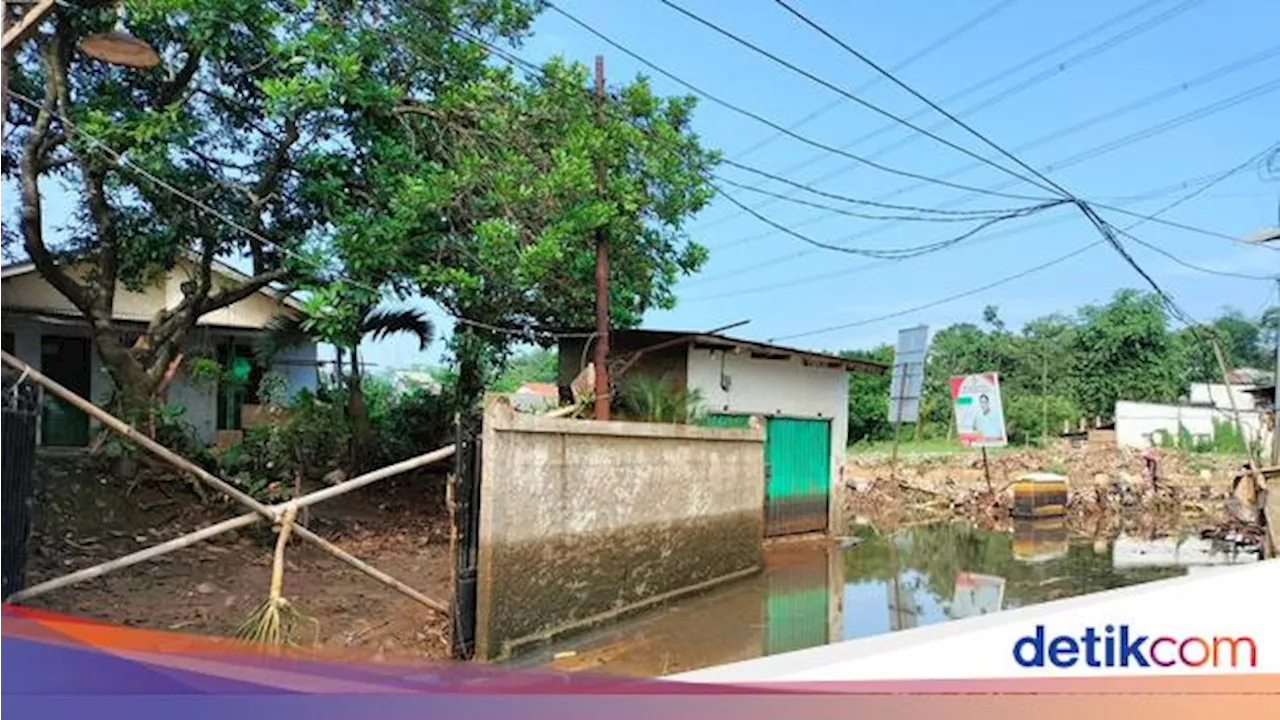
column 803, row 395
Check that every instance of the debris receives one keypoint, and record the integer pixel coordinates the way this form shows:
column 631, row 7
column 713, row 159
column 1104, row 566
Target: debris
column 334, row 477
column 206, row 588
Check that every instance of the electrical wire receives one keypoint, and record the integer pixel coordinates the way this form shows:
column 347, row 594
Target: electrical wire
column 926, row 217
column 851, row 96
column 915, row 57
column 1143, row 134
column 897, row 253
column 770, row 123
column 1013, row 69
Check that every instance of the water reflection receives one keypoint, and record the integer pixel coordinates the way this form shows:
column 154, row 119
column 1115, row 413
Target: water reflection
column 816, row 594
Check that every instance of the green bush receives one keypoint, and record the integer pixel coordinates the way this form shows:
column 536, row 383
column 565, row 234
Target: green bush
column 413, row 423
column 658, row 400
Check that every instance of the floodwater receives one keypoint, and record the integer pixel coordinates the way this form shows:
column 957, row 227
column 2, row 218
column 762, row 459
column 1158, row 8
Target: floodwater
column 816, row 593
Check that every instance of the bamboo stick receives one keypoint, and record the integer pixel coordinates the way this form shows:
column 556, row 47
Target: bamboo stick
column 150, row 553
column 271, row 513
column 368, row 478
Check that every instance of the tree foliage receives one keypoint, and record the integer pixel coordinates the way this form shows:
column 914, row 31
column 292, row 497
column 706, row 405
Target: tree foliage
column 1059, row 369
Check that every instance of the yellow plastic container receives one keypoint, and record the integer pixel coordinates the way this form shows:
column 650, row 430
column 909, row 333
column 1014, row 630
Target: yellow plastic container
column 1040, row 495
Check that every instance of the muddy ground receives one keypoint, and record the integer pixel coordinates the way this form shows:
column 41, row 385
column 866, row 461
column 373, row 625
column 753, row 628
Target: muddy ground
column 84, row 515
column 1105, row 484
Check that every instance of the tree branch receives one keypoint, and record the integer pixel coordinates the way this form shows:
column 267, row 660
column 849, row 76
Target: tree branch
column 230, row 296
column 32, row 222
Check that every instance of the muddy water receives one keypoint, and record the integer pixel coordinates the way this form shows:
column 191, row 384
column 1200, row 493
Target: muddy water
column 818, row 593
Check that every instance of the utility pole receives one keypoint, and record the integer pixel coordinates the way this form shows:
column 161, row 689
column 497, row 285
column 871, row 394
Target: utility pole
column 1044, row 394
column 602, row 268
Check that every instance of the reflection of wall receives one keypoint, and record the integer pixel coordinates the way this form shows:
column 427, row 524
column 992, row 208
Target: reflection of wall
column 1170, row 552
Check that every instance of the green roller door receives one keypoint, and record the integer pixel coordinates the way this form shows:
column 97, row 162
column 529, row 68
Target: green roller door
column 798, row 465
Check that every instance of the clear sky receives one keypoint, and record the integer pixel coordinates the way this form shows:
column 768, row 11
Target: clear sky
column 1199, row 122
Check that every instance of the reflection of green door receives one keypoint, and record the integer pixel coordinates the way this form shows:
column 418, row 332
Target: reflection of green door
column 798, row 463
column 797, row 604
column 66, row 361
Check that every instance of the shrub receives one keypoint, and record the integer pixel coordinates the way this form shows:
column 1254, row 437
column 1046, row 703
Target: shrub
column 413, row 423
column 657, row 400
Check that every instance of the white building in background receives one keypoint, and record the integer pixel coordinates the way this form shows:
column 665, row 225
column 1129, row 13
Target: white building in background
column 1208, row 406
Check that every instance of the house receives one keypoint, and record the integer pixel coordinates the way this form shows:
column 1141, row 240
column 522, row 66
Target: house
column 535, row 397
column 42, row 328
column 802, row 395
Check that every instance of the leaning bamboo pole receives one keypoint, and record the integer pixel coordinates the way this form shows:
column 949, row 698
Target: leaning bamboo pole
column 259, row 510
column 272, row 513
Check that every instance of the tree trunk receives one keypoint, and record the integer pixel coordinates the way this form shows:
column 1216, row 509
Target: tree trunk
column 470, row 354
column 135, row 385
column 358, row 412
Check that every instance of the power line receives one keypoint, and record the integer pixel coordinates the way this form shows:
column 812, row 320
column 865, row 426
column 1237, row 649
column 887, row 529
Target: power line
column 837, row 89
column 950, row 298
column 1045, row 74
column 1137, row 136
column 903, row 65
column 925, row 216
column 886, row 254
column 770, row 123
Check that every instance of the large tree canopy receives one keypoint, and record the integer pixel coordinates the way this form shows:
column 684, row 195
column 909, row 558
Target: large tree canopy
column 353, row 149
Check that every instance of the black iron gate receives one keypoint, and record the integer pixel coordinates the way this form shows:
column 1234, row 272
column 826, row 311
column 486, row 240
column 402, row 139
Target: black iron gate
column 466, row 498
column 21, row 416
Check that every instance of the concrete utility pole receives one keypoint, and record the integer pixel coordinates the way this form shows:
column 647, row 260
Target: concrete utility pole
column 602, row 269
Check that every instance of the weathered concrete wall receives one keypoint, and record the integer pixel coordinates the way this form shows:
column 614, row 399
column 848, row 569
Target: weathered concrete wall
column 1137, row 424
column 584, row 520
column 767, row 386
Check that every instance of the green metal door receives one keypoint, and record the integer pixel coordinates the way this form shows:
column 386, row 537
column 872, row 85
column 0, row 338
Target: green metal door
column 798, row 468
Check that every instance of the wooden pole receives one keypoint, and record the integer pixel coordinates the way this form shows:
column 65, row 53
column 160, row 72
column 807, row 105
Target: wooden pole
column 602, row 269
column 1255, row 471
column 272, row 513
column 897, row 423
column 150, row 553
column 986, row 470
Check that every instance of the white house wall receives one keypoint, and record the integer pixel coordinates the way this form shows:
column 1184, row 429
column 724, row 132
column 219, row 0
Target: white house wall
column 1136, row 422
column 776, row 387
column 1220, row 396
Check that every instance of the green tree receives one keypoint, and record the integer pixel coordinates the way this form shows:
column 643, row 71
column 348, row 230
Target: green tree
column 328, row 316
column 486, row 201
column 250, row 111
column 1124, row 351
column 538, row 365
column 869, row 397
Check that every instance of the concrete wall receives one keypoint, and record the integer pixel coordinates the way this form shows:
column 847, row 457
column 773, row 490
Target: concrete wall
column 1220, row 396
column 1136, row 423
column 583, row 520
column 776, row 387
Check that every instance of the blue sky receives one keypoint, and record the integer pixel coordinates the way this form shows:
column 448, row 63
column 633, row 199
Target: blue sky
column 785, row 287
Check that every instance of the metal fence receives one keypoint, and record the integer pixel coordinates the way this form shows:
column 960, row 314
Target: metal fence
column 467, row 527
column 21, row 401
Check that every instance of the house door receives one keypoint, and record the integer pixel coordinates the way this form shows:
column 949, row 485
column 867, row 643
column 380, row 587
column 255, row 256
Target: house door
column 797, row 466
column 65, row 360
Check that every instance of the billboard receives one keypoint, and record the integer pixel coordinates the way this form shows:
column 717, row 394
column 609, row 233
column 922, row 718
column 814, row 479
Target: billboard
column 907, row 384
column 979, row 412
